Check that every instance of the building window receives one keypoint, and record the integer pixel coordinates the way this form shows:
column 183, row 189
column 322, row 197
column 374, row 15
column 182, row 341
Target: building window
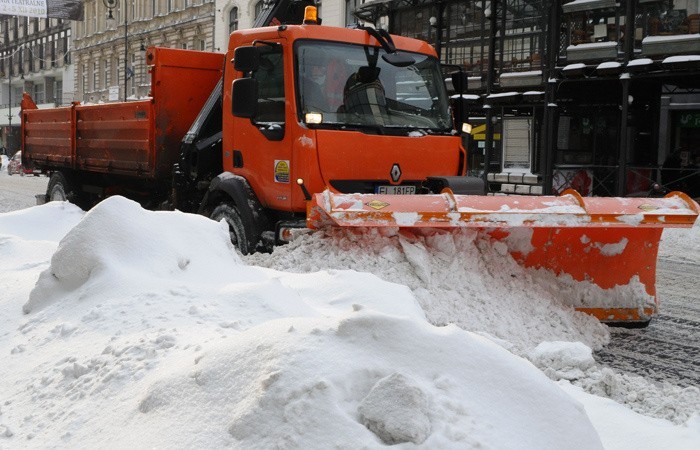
column 94, row 19
column 107, row 74
column 42, row 54
column 350, row 7
column 85, row 78
column 233, row 19
column 94, row 75
column 258, row 8
column 38, row 93
column 132, row 75
column 58, row 92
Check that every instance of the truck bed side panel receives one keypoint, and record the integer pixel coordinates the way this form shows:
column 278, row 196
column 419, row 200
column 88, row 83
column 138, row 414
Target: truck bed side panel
column 48, row 136
column 115, row 138
column 137, row 138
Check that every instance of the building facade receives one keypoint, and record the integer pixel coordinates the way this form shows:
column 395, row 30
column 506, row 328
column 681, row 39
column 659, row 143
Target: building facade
column 110, row 45
column 232, row 15
column 599, row 95
column 35, row 57
column 102, row 59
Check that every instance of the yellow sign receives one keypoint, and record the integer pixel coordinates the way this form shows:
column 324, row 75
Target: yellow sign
column 479, row 133
column 281, row 171
column 377, row 204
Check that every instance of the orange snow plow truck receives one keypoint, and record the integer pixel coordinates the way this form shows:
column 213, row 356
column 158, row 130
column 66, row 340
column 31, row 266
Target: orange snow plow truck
column 308, row 126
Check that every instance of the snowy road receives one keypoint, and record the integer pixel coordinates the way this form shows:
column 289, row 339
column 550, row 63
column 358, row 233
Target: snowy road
column 17, row 192
column 668, row 350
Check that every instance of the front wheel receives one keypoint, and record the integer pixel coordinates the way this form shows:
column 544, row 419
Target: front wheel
column 242, row 240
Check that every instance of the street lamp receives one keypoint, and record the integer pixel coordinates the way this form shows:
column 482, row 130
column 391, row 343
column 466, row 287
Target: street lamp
column 9, row 109
column 110, row 5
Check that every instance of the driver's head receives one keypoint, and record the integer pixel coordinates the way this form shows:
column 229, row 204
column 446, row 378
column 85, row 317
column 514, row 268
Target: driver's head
column 316, row 66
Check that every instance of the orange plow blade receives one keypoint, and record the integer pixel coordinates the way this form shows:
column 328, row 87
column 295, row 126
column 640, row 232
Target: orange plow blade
column 600, row 251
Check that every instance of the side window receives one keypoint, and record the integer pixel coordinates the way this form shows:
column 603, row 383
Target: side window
column 270, row 76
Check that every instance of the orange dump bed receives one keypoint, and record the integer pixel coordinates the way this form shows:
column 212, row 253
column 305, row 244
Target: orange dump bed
column 136, row 138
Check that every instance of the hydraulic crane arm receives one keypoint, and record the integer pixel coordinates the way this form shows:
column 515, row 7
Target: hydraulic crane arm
column 279, row 12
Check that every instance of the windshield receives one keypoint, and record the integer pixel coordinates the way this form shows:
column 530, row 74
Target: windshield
column 352, row 85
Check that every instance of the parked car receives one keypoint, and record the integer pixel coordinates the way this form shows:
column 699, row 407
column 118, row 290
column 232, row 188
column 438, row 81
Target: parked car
column 15, row 166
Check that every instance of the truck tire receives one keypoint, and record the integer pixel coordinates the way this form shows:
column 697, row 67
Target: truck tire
column 237, row 232
column 61, row 189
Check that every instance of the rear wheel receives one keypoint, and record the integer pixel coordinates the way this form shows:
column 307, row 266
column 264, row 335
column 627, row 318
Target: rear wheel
column 241, row 239
column 58, row 188
column 62, row 188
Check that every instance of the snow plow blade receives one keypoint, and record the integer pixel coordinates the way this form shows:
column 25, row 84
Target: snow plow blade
column 600, row 251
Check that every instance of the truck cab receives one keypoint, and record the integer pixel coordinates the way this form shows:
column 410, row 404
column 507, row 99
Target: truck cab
column 315, row 107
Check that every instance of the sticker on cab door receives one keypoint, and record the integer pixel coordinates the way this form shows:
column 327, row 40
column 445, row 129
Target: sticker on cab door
column 281, row 171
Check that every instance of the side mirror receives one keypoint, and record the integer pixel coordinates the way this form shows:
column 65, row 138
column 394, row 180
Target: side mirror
column 244, row 97
column 246, row 59
column 459, row 81
column 460, row 111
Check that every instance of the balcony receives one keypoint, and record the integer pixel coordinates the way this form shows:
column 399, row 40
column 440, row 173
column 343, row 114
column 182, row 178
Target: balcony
column 661, row 28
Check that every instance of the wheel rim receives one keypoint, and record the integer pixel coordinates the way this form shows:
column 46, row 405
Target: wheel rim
column 57, row 194
column 236, row 234
column 232, row 234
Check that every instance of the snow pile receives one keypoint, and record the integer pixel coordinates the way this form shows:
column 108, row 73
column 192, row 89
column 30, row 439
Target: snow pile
column 681, row 244
column 622, row 428
column 573, row 361
column 146, row 329
column 461, row 279
column 458, row 278
column 29, row 224
column 185, row 249
column 360, row 380
column 149, row 322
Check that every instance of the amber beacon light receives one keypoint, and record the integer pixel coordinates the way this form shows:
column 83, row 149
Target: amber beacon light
column 311, row 15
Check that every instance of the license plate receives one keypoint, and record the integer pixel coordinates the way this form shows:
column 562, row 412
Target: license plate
column 396, row 190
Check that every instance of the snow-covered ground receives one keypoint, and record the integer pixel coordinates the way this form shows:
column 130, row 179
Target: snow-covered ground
column 123, row 327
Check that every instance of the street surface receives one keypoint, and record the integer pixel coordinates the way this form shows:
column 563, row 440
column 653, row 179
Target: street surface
column 667, row 351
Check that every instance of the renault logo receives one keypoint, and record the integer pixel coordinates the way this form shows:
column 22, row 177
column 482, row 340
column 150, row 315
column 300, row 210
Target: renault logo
column 395, row 173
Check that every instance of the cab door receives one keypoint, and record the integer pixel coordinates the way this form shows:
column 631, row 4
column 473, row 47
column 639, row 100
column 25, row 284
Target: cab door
column 260, row 147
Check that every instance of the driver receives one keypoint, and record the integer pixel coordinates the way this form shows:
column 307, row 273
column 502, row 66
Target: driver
column 313, row 80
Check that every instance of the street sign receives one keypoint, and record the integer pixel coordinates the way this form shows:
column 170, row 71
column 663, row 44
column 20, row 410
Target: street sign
column 113, row 93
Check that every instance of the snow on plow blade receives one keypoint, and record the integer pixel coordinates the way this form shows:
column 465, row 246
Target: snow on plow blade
column 601, row 251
